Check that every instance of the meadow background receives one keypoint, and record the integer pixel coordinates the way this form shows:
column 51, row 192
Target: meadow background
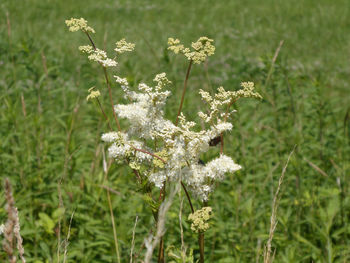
column 50, row 134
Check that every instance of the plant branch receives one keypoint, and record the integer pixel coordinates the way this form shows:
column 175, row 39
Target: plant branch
column 188, row 196
column 184, row 91
column 147, row 152
column 201, row 247
column 108, row 84
column 104, row 114
column 225, row 119
column 110, row 98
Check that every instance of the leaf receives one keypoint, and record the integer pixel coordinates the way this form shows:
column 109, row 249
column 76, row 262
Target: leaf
column 46, row 222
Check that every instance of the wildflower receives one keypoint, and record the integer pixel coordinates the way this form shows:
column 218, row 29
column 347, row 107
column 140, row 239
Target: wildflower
column 121, row 81
column 98, row 55
column 123, row 46
column 162, row 81
column 76, row 24
column 200, row 219
column 201, row 49
column 174, row 45
column 159, row 163
column 113, row 137
column 86, row 49
column 93, row 94
column 246, row 92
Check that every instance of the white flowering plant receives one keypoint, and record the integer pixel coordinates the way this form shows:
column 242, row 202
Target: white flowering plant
column 176, row 145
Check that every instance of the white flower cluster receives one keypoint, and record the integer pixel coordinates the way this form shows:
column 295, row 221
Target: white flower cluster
column 199, row 51
column 98, row 55
column 93, row 94
column 178, row 148
column 200, row 219
column 76, row 24
column 123, row 46
column 124, row 149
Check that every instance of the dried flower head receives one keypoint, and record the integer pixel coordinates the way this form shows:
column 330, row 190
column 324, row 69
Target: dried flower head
column 76, row 24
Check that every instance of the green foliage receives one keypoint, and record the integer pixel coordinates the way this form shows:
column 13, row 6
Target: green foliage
column 50, row 134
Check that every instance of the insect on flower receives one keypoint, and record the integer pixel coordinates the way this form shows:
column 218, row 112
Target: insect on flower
column 215, row 141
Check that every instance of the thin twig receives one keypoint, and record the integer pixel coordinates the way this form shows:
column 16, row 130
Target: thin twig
column 273, row 221
column 133, row 240
column 104, row 114
column 111, row 98
column 151, row 242
column 183, row 248
column 67, row 239
column 318, row 169
column 111, row 210
column 273, row 62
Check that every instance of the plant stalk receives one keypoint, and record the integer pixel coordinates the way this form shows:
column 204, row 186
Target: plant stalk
column 201, row 247
column 184, row 91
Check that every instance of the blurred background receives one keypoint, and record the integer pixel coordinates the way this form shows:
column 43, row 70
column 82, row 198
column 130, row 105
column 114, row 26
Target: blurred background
column 50, row 134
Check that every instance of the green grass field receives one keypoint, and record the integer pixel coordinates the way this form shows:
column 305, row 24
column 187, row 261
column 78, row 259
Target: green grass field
column 49, row 133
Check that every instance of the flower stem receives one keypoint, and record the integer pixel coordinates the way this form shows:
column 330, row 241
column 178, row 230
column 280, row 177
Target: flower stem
column 188, row 196
column 225, row 119
column 104, row 114
column 108, row 84
column 201, row 247
column 161, row 258
column 110, row 98
column 184, row 91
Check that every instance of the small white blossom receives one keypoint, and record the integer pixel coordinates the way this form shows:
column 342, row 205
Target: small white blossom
column 76, row 24
column 114, row 136
column 98, row 55
column 201, row 49
column 93, row 94
column 121, row 81
column 123, row 46
column 217, row 168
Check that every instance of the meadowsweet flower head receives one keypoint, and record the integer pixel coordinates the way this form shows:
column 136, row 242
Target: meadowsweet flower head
column 162, row 81
column 86, row 49
column 247, row 91
column 201, row 49
column 174, row 45
column 114, row 137
column 121, row 81
column 76, row 24
column 200, row 219
column 162, row 154
column 98, row 55
column 123, row 46
column 93, row 94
